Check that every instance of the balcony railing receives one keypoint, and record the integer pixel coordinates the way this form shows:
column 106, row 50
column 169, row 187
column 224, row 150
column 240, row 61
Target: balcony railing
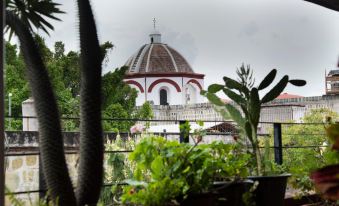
column 25, row 143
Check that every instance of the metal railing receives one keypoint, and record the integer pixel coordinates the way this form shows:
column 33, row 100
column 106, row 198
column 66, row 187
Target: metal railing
column 273, row 130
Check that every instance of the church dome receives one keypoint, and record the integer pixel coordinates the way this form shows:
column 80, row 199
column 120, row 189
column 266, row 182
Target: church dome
column 157, row 57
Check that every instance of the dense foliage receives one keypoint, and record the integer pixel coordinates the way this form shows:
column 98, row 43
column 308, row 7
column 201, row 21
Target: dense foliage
column 311, row 157
column 118, row 168
column 63, row 67
column 167, row 170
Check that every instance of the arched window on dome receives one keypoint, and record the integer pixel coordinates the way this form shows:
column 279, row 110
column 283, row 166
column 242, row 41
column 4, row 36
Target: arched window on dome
column 163, row 97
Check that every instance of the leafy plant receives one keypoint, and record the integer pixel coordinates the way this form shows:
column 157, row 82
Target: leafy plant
column 145, row 112
column 326, row 178
column 168, row 171
column 14, row 201
column 185, row 130
column 246, row 96
column 117, row 169
column 307, row 135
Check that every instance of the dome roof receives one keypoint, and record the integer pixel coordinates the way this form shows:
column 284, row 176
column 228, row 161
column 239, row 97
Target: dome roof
column 157, row 57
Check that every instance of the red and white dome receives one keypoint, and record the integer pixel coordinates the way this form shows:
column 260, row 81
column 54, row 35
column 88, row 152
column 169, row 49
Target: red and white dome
column 157, row 58
column 162, row 75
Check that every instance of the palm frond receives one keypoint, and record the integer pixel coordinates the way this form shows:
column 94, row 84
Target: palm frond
column 330, row 4
column 34, row 13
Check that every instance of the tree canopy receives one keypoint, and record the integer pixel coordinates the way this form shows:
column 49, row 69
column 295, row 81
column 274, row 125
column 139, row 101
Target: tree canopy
column 307, row 147
column 63, row 67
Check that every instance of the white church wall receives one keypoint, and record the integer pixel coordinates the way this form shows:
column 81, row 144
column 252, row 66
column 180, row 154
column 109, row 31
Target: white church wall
column 141, row 96
column 173, row 96
column 140, row 100
column 298, row 113
column 28, row 110
column 189, row 94
column 195, row 90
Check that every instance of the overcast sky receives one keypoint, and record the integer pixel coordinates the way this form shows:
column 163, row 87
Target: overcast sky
column 216, row 36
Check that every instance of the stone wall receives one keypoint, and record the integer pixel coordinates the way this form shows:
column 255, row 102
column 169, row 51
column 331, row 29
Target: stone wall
column 22, row 162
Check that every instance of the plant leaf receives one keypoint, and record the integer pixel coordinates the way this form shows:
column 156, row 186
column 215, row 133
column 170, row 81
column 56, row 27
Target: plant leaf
column 248, row 130
column 213, row 88
column 232, row 84
column 235, row 115
column 157, row 167
column 276, row 90
column 255, row 106
column 234, row 96
column 203, row 92
column 297, row 82
column 268, row 79
column 214, row 99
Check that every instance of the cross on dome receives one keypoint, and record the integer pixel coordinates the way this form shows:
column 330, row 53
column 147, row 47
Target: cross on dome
column 155, row 37
column 154, row 21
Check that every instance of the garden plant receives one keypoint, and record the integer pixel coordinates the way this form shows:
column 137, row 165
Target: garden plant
column 169, row 172
column 117, row 168
column 326, row 178
column 247, row 104
column 308, row 146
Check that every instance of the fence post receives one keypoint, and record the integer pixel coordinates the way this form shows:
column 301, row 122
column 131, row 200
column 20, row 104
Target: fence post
column 165, row 134
column 182, row 133
column 278, row 155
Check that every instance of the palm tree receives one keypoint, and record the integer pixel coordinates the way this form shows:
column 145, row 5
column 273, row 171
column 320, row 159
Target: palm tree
column 55, row 171
column 33, row 13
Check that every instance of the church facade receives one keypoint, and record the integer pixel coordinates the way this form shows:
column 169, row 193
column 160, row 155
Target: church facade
column 162, row 76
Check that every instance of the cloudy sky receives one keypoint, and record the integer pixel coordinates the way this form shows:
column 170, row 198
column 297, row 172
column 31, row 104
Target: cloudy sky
column 216, row 36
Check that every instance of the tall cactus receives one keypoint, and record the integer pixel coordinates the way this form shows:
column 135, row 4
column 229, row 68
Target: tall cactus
column 246, row 96
column 51, row 142
column 50, row 136
column 90, row 173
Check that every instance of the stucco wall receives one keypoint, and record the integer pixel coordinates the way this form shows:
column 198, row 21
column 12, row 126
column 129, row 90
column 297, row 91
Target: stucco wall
column 176, row 95
column 28, row 110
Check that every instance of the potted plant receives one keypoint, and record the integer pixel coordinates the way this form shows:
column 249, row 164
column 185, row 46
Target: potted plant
column 246, row 113
column 170, row 173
